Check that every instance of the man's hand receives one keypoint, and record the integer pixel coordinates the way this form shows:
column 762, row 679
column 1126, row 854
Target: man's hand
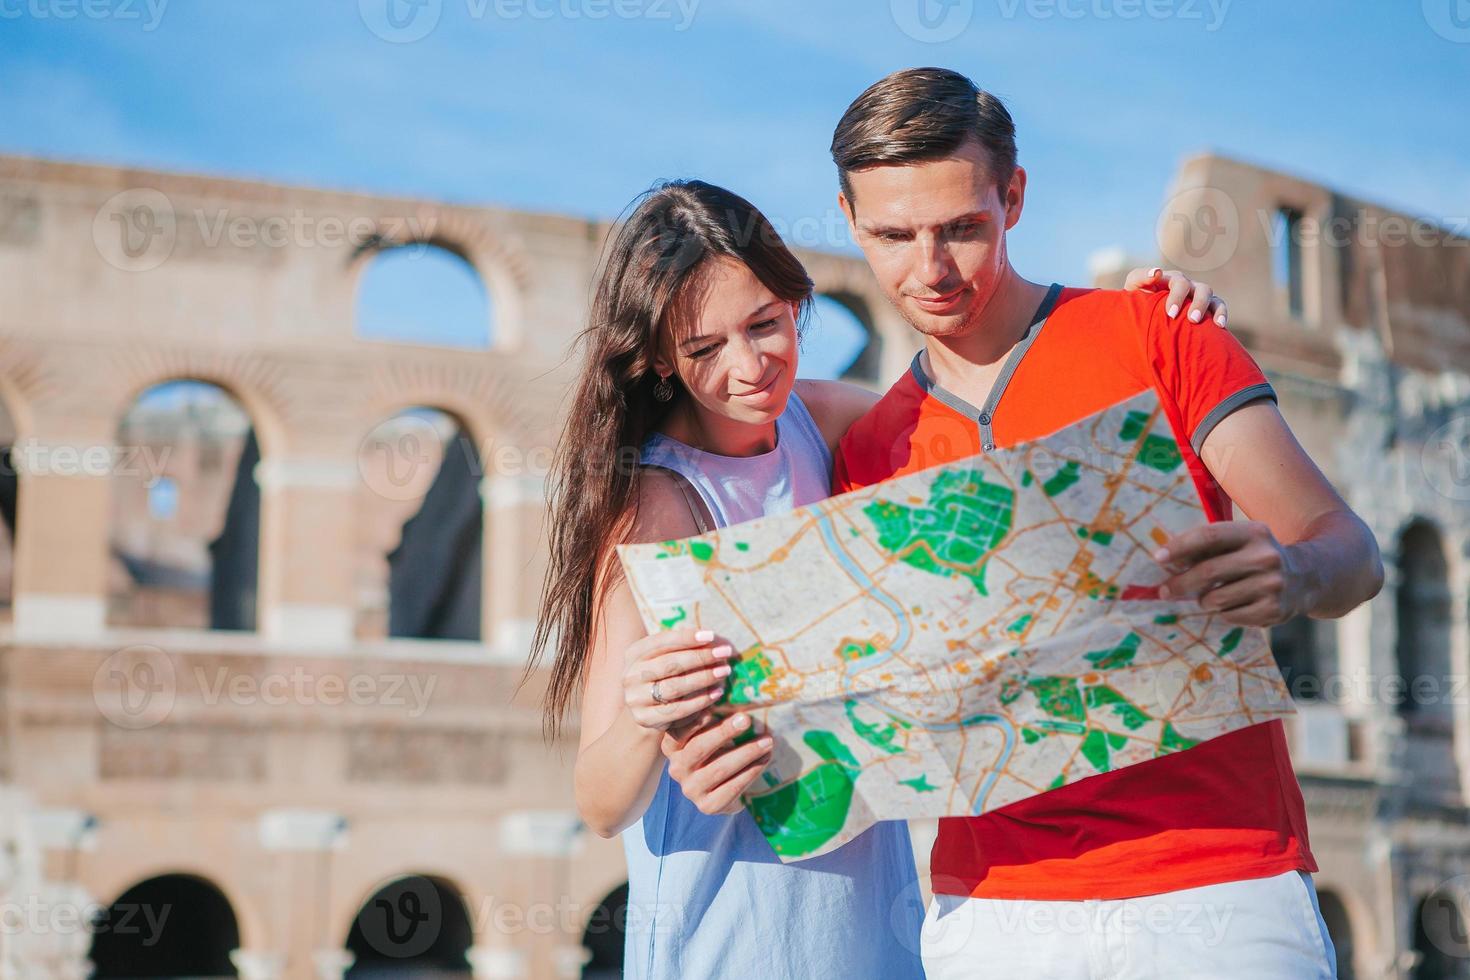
column 1238, row 569
column 1203, row 301
column 708, row 767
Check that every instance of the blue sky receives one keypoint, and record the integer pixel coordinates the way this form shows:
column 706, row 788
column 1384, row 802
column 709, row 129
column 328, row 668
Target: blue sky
column 577, row 105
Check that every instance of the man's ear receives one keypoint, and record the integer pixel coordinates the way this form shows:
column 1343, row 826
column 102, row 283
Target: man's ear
column 1015, row 197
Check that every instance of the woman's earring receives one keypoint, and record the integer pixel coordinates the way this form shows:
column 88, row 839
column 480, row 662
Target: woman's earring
column 663, row 389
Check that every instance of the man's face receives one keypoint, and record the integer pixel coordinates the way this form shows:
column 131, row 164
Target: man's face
column 934, row 234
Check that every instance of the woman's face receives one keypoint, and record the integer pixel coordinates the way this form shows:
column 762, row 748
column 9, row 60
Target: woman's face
column 734, row 346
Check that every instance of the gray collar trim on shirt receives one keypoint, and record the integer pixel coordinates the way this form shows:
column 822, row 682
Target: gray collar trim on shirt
column 983, row 416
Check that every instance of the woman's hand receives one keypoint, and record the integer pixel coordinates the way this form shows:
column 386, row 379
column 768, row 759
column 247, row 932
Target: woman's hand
column 668, row 677
column 1203, row 301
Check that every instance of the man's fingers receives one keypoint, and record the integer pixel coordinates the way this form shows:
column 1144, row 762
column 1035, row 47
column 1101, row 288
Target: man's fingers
column 1207, row 575
column 1242, row 592
column 1198, row 543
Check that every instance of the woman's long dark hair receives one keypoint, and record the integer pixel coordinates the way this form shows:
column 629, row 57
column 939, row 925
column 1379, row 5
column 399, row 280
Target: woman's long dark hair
column 655, row 261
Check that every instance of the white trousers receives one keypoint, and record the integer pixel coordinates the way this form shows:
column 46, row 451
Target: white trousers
column 1258, row 929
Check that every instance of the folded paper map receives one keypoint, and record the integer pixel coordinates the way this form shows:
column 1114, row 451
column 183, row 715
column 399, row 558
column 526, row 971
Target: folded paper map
column 966, row 636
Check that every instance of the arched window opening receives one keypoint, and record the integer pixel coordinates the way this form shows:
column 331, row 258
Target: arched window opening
column 840, row 341
column 421, row 529
column 603, row 937
column 422, row 293
column 185, row 532
column 414, row 927
column 171, row 926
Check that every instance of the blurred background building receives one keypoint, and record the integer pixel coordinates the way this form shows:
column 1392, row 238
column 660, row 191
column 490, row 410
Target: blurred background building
column 268, row 570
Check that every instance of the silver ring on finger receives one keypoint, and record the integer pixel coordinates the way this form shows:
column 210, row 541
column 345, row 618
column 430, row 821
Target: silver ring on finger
column 653, row 691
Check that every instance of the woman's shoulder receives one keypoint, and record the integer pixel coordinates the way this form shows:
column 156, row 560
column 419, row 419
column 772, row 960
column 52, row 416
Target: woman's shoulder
column 834, row 405
column 661, row 510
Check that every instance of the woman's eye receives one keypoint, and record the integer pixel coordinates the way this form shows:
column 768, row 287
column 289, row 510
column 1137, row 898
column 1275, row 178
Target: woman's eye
column 764, row 325
column 702, row 352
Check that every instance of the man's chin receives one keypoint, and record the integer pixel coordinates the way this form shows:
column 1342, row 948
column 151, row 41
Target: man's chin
column 936, row 325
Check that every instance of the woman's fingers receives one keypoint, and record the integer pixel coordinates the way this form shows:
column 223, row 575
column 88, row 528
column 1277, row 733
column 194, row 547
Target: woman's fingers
column 1199, row 307
column 680, row 686
column 658, row 644
column 714, row 786
column 1219, row 311
column 698, row 745
column 683, row 662
column 661, row 716
column 726, row 798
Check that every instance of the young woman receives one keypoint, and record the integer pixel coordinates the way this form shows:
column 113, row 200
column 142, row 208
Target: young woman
column 688, row 415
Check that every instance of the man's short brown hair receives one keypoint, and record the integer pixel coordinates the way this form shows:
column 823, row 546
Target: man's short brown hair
column 922, row 114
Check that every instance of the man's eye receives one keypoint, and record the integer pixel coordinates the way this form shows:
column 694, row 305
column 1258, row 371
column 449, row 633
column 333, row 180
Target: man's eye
column 892, row 238
column 964, row 228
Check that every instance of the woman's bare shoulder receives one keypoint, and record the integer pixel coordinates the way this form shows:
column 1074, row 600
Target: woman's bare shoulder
column 835, row 405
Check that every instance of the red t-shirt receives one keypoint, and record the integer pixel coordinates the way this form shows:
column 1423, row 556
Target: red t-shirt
column 1226, row 810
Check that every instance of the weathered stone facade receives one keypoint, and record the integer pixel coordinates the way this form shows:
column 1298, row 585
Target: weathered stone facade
column 302, row 769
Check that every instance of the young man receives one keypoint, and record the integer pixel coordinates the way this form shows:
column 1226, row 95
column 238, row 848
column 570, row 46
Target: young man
column 1193, row 864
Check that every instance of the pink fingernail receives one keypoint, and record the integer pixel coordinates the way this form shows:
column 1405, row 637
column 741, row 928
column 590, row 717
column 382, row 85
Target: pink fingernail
column 765, row 741
column 722, row 670
column 1174, row 310
column 1195, row 316
column 1161, row 555
column 704, row 636
column 739, row 722
column 715, row 694
column 723, row 650
column 1220, row 319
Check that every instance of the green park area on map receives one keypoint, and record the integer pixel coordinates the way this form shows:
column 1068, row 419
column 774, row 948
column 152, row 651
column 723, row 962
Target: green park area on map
column 966, row 636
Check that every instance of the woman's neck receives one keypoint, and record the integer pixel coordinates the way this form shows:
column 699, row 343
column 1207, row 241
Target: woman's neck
column 717, row 434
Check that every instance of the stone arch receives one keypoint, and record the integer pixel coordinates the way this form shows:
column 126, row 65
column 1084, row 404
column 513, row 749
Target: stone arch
column 1423, row 645
column 505, row 271
column 1348, row 925
column 410, row 920
column 867, row 366
column 421, row 529
column 177, row 923
column 173, row 584
column 603, row 934
column 1440, row 937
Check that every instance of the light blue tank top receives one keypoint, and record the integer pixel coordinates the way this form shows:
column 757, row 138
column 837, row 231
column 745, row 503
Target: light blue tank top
column 707, row 896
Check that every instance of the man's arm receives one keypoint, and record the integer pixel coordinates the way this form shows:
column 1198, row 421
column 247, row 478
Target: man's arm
column 1301, row 552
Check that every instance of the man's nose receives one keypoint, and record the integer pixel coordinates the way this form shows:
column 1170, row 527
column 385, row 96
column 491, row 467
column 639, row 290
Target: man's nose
column 933, row 262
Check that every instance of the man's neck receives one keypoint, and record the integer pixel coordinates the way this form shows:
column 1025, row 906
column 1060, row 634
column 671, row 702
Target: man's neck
column 968, row 364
